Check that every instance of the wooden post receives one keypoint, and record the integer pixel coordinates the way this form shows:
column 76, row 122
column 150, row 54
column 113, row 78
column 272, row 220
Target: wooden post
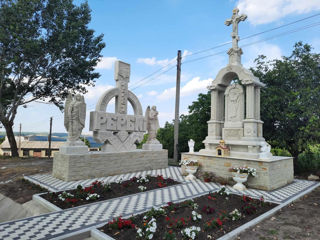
column 176, row 118
column 49, row 138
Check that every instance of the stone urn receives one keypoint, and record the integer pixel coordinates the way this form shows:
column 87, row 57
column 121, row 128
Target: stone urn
column 240, row 178
column 191, row 170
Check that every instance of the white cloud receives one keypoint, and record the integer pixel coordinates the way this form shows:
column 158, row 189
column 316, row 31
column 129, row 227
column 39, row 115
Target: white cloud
column 194, row 86
column 154, row 62
column 152, row 93
column 96, row 91
column 106, row 62
column 261, row 11
column 271, row 51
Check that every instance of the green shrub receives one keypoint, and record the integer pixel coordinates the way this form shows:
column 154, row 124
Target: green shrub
column 309, row 160
column 280, row 152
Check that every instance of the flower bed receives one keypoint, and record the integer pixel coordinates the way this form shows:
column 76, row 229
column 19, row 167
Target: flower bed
column 206, row 217
column 99, row 191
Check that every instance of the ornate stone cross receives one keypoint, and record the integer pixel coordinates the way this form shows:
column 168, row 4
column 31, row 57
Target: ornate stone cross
column 118, row 131
column 235, row 19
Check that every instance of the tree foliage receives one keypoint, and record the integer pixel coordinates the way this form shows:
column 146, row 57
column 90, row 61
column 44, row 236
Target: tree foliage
column 46, row 50
column 290, row 101
column 192, row 126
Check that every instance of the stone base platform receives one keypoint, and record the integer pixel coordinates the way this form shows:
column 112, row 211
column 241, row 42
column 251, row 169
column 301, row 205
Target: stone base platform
column 271, row 174
column 70, row 167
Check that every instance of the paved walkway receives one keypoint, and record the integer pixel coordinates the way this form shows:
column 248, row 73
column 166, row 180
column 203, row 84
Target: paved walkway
column 71, row 221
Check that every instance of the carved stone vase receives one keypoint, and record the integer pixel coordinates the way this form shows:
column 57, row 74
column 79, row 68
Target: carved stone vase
column 240, row 178
column 191, row 170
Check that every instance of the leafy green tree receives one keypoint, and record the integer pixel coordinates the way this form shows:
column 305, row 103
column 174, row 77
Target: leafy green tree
column 86, row 141
column 290, row 101
column 46, row 50
column 192, row 126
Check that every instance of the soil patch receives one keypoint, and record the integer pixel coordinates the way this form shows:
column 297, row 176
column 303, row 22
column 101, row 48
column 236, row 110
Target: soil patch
column 99, row 191
column 299, row 220
column 14, row 168
column 20, row 190
column 209, row 213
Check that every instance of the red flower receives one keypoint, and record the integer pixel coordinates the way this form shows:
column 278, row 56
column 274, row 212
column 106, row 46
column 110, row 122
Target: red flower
column 167, row 219
column 219, row 222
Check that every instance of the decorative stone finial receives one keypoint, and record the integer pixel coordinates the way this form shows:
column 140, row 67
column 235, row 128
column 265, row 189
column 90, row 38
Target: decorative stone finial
column 235, row 52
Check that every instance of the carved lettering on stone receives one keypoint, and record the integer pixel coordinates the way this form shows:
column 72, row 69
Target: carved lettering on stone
column 118, row 131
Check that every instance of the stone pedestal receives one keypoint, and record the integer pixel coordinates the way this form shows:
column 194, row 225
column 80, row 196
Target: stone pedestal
column 152, row 147
column 71, row 167
column 271, row 174
column 77, row 147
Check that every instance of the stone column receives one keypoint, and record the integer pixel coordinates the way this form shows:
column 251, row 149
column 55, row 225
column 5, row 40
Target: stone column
column 257, row 102
column 215, row 123
column 250, row 102
column 214, row 105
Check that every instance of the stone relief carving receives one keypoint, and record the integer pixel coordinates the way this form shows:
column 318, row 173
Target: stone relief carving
column 74, row 116
column 118, row 131
column 234, row 103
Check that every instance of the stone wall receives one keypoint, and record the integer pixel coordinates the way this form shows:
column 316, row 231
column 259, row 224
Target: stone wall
column 102, row 164
column 271, row 174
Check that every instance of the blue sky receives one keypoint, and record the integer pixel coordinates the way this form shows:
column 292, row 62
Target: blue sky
column 148, row 33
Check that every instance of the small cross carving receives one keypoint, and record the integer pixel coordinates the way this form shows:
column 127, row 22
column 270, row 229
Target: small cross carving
column 235, row 19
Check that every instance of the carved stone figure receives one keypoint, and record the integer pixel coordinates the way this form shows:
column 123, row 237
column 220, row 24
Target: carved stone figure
column 74, row 116
column 235, row 19
column 234, row 105
column 265, row 151
column 152, row 124
column 191, row 146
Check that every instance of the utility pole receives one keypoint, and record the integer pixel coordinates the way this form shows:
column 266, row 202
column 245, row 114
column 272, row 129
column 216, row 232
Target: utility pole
column 176, row 118
column 20, row 127
column 49, row 138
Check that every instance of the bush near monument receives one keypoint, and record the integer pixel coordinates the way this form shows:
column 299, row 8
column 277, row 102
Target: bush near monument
column 206, row 217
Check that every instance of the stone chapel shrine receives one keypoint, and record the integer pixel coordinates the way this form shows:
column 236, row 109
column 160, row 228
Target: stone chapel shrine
column 235, row 119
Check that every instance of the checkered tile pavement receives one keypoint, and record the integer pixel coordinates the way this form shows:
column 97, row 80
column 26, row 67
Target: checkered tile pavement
column 57, row 224
column 54, row 184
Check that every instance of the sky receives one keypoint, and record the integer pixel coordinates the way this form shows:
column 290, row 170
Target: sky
column 148, row 33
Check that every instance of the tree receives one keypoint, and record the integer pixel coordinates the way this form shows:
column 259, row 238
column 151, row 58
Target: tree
column 46, row 50
column 192, row 126
column 290, row 101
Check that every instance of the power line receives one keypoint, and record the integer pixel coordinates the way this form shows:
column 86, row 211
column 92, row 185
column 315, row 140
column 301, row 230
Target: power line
column 154, row 77
column 144, row 80
column 254, row 35
column 262, row 40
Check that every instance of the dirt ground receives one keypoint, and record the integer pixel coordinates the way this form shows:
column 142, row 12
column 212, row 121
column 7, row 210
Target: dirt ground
column 11, row 172
column 13, row 168
column 300, row 221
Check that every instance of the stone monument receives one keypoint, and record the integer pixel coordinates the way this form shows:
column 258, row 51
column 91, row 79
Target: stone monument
column 235, row 119
column 74, row 122
column 152, row 121
column 118, row 132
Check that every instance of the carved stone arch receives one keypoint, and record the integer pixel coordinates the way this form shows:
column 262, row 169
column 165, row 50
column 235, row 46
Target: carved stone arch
column 227, row 74
column 135, row 103
column 109, row 94
column 106, row 98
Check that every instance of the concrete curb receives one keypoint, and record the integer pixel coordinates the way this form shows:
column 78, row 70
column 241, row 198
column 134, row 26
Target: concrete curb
column 237, row 231
column 46, row 204
column 98, row 235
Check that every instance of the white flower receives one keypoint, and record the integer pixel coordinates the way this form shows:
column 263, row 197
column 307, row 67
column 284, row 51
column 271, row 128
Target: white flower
column 142, row 188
